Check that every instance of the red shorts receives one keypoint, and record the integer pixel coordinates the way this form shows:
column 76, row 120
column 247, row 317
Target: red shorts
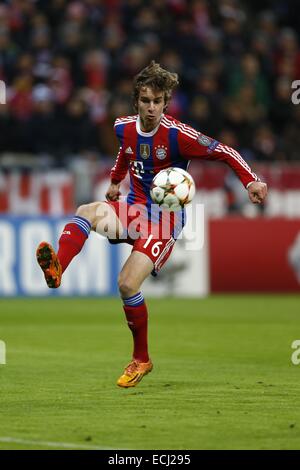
column 147, row 236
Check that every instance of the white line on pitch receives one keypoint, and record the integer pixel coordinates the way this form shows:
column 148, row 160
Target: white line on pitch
column 65, row 445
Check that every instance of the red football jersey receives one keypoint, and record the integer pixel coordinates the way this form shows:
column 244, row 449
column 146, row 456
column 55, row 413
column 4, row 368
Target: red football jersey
column 170, row 144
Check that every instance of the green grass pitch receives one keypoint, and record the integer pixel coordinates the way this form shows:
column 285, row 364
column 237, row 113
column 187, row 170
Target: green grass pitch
column 222, row 378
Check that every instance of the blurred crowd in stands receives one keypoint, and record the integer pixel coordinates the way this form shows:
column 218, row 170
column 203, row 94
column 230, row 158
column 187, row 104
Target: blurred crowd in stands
column 68, row 67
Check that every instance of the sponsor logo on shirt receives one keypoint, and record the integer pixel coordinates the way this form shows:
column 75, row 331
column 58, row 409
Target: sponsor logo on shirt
column 137, row 168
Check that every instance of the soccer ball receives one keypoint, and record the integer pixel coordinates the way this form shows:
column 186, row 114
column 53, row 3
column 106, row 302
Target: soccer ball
column 172, row 189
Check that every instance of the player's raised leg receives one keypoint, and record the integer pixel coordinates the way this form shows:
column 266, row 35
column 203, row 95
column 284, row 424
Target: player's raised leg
column 97, row 216
column 136, row 269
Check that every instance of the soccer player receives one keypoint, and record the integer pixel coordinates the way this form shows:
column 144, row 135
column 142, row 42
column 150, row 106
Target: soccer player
column 149, row 142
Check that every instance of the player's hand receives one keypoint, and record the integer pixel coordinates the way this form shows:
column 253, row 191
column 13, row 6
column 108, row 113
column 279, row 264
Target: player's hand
column 257, row 192
column 113, row 192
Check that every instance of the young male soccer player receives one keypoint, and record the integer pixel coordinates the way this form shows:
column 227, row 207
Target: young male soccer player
column 149, row 142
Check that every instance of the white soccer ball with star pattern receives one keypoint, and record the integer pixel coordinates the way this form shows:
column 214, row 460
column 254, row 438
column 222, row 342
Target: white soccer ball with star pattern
column 172, row 189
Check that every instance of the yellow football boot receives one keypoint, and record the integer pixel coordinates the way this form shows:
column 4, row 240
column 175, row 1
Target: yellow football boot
column 134, row 373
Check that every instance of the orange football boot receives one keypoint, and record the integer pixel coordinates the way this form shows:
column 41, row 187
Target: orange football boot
column 50, row 265
column 134, row 373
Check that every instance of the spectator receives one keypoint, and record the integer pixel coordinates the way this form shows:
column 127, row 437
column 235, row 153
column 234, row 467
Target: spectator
column 236, row 61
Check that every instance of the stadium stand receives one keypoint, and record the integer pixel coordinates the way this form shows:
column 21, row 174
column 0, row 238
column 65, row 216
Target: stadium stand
column 68, row 66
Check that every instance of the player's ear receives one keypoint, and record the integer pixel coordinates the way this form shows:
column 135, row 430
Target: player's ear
column 166, row 104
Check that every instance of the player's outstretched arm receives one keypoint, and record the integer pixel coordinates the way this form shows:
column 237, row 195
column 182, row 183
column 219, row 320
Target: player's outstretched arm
column 257, row 192
column 113, row 192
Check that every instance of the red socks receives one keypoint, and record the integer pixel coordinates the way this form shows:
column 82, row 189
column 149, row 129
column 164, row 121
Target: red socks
column 137, row 319
column 72, row 240
column 70, row 244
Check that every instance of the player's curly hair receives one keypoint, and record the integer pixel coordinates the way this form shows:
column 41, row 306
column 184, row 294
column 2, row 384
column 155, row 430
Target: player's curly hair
column 157, row 78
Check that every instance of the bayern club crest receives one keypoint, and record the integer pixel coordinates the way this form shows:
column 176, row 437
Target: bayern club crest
column 161, row 152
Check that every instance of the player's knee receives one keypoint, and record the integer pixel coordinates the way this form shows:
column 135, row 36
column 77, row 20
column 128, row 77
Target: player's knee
column 84, row 211
column 88, row 212
column 107, row 223
column 127, row 287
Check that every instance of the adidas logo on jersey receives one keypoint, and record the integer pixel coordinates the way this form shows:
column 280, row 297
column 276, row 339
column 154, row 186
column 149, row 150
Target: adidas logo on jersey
column 129, row 150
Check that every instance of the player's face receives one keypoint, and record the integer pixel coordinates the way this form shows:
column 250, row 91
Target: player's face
column 150, row 108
